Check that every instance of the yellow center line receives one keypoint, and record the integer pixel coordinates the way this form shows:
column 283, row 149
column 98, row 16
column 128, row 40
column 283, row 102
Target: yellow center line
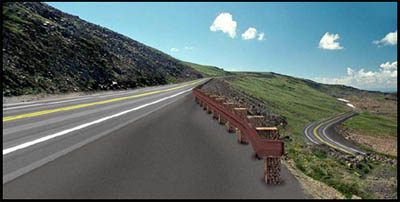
column 9, row 118
column 319, row 138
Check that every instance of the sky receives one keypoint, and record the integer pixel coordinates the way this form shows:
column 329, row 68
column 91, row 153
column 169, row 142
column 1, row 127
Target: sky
column 353, row 44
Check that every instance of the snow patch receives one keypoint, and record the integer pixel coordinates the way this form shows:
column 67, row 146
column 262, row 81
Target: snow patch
column 350, row 105
column 343, row 100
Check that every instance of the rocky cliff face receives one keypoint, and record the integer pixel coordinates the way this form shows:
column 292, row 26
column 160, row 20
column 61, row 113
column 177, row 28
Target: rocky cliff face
column 46, row 50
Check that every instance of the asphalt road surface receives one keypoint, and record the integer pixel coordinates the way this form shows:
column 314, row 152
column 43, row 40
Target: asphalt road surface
column 157, row 145
column 323, row 132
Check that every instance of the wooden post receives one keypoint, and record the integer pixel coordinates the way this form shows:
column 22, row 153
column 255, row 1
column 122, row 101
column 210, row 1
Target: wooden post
column 208, row 110
column 213, row 112
column 241, row 138
column 204, row 106
column 229, row 106
column 242, row 112
column 271, row 133
column 220, row 118
column 213, row 96
column 229, row 127
column 256, row 121
column 207, row 94
column 220, row 100
column 272, row 170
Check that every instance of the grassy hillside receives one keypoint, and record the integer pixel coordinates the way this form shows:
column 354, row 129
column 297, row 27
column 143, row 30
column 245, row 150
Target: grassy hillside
column 303, row 102
column 49, row 51
column 382, row 126
column 208, row 71
column 292, row 98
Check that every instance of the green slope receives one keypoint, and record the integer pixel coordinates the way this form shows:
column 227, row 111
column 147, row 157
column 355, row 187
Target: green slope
column 303, row 102
column 292, row 98
column 208, row 71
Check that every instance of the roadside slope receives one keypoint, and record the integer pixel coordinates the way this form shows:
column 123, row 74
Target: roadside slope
column 49, row 51
column 291, row 104
column 208, row 71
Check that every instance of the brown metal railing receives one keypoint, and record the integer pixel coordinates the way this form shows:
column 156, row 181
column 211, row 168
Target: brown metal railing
column 264, row 148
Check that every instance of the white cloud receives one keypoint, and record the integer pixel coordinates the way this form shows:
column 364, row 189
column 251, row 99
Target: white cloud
column 260, row 36
column 384, row 78
column 224, row 23
column 249, row 33
column 389, row 39
column 188, row 48
column 328, row 41
column 174, row 50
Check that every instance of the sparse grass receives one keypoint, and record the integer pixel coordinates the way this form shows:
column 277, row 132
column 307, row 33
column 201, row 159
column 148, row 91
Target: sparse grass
column 298, row 102
column 207, row 71
column 373, row 124
column 302, row 104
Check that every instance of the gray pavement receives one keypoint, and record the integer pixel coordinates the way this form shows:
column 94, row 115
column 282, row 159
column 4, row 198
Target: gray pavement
column 171, row 149
column 326, row 133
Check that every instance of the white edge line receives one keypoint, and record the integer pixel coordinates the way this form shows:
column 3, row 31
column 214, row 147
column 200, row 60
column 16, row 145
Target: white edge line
column 84, row 97
column 337, row 143
column 21, row 171
column 308, row 137
column 77, row 99
column 48, row 137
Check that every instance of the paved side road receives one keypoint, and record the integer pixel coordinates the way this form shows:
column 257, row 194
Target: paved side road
column 177, row 151
column 323, row 132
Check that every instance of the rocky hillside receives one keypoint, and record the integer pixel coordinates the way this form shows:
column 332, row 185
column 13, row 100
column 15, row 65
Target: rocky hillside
column 48, row 51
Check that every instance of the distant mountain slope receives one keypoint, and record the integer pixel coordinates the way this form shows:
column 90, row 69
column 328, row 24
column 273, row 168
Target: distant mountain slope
column 208, row 70
column 46, row 50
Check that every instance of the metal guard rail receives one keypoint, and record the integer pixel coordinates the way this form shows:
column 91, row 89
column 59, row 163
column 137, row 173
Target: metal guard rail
column 262, row 147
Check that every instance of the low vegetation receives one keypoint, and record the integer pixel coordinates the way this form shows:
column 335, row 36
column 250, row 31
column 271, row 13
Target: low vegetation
column 383, row 125
column 303, row 102
column 48, row 51
column 208, row 71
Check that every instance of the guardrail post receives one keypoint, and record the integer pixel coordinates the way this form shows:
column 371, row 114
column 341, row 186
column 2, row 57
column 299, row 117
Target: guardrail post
column 272, row 170
column 206, row 93
column 229, row 127
column 213, row 113
column 257, row 120
column 270, row 133
column 204, row 106
column 220, row 100
column 241, row 137
column 213, row 96
column 265, row 140
column 228, row 105
column 272, row 165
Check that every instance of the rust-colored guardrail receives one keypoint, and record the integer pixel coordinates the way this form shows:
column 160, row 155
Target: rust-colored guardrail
column 269, row 149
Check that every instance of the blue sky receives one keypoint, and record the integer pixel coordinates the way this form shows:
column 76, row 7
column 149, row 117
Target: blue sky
column 291, row 44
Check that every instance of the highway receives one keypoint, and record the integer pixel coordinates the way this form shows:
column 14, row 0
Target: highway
column 147, row 143
column 323, row 132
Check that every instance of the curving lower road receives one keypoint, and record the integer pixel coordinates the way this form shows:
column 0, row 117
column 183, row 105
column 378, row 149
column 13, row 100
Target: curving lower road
column 148, row 143
column 322, row 132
